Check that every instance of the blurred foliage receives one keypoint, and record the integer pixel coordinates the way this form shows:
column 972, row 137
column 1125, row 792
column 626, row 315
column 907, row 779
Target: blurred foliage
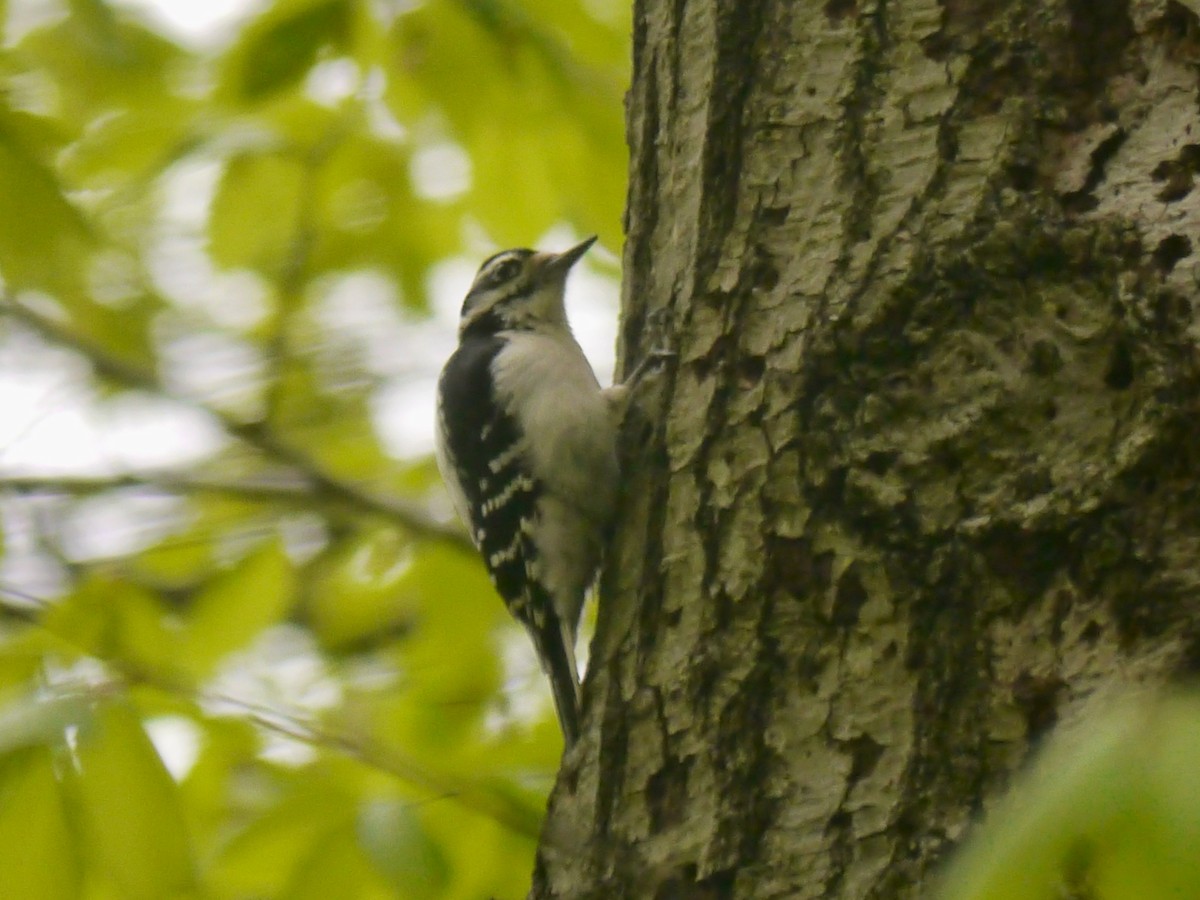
column 273, row 671
column 1109, row 812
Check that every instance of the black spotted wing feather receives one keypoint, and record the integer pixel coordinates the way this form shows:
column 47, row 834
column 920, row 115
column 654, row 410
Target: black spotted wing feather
column 482, row 440
column 501, row 499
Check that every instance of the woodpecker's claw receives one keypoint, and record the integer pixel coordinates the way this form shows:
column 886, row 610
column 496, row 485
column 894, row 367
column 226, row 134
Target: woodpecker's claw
column 655, row 359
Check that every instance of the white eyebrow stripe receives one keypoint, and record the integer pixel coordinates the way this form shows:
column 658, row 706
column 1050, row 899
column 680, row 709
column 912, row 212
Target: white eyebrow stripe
column 500, row 260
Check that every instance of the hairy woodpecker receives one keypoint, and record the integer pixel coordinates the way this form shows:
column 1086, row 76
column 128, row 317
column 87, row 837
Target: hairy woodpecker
column 526, row 442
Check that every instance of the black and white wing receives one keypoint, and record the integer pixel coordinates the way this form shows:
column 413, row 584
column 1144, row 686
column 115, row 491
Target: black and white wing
column 481, row 454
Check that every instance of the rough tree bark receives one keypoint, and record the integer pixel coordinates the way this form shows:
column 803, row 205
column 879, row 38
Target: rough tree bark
column 923, row 477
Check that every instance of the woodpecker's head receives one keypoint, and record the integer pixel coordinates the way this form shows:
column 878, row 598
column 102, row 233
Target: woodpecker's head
column 519, row 290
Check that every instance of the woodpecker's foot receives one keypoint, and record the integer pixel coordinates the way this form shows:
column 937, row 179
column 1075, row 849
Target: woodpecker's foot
column 654, row 360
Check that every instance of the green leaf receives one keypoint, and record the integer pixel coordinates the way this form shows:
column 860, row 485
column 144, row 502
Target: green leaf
column 369, row 218
column 225, row 779
column 186, row 558
column 37, row 851
column 332, row 425
column 337, row 867
column 130, row 808
column 539, row 126
column 1112, row 811
column 354, row 595
column 22, row 658
column 262, row 853
column 281, row 46
column 178, row 562
column 43, row 238
column 256, row 212
column 480, row 852
column 238, row 605
column 37, row 719
column 101, row 59
column 115, row 619
column 453, row 613
column 131, row 144
column 122, row 335
column 395, row 840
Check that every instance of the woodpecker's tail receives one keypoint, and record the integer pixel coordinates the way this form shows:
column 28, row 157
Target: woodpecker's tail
column 564, row 685
column 554, row 642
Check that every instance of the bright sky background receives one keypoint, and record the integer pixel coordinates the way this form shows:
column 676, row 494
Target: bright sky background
column 194, row 22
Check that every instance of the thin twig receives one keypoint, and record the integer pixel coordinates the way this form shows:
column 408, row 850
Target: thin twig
column 255, row 434
column 478, row 796
column 295, row 491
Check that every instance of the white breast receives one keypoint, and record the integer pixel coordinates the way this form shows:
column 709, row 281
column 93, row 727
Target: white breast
column 569, row 434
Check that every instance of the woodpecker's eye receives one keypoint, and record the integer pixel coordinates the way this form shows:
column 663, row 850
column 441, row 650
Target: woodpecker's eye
column 506, row 271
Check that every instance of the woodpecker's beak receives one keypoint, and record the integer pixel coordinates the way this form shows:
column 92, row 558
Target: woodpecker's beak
column 554, row 266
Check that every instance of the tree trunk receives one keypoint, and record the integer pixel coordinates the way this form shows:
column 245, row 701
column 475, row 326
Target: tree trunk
column 923, row 475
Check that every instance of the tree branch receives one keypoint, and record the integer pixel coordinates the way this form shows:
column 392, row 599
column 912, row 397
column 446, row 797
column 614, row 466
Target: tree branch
column 297, row 491
column 254, row 434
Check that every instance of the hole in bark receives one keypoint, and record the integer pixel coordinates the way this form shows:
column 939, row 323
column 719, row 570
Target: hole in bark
column 795, row 569
column 1171, row 250
column 839, row 821
column 947, row 143
column 706, row 675
column 1037, row 698
column 570, row 780
column 1177, row 186
column 836, row 10
column 1141, row 614
column 1189, row 660
column 1083, row 200
column 1033, row 484
column 1178, row 182
column 880, row 461
column 684, row 886
column 666, row 795
column 775, row 215
column 864, row 755
column 1181, row 25
column 1100, row 33
column 960, row 19
column 994, row 76
column 1022, row 176
column 1179, row 18
column 850, row 598
column 718, row 886
column 1189, row 156
column 1177, row 174
column 1026, row 560
column 946, row 457
column 1045, row 359
column 1091, row 633
column 766, row 276
column 1171, row 308
column 751, row 369
column 1119, row 375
